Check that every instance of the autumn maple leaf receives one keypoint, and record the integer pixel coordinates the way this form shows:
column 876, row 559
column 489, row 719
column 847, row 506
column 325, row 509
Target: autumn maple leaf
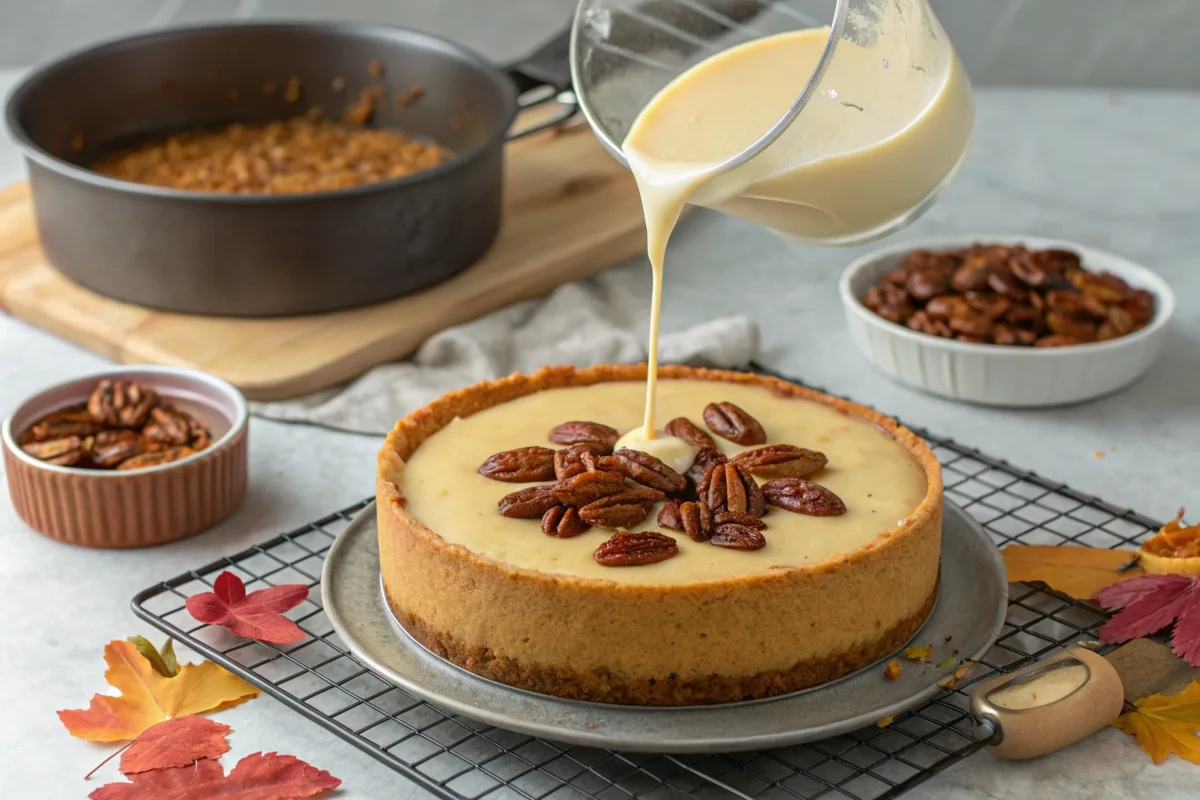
column 258, row 776
column 1150, row 603
column 175, row 743
column 147, row 698
column 257, row 615
column 1074, row 570
column 1165, row 724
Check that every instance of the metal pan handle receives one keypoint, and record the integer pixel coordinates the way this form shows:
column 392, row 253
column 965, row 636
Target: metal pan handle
column 544, row 76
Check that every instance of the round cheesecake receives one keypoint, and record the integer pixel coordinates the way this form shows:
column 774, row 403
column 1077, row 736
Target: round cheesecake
column 826, row 594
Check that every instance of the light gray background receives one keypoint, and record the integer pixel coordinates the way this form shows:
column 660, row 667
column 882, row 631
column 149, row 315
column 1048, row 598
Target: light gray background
column 1116, row 170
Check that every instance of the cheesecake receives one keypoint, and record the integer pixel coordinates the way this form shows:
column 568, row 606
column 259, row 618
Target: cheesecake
column 763, row 538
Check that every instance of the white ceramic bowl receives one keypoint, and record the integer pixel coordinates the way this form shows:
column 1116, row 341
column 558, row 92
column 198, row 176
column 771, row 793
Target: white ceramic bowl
column 994, row 374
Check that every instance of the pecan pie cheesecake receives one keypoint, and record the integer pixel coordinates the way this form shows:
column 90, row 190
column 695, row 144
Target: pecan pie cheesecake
column 764, row 539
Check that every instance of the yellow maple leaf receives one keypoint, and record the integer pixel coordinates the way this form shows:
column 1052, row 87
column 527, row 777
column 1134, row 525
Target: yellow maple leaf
column 1165, row 724
column 147, row 698
column 1074, row 570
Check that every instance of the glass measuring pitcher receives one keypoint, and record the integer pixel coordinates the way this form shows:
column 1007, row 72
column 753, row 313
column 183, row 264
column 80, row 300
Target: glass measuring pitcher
column 830, row 121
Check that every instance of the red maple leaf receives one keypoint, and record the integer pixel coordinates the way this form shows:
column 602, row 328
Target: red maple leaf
column 1150, row 603
column 258, row 776
column 257, row 615
column 175, row 743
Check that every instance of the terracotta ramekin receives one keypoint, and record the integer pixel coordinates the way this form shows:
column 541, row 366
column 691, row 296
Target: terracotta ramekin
column 143, row 507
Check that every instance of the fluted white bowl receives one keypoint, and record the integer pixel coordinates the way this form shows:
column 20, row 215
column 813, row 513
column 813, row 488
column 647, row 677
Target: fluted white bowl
column 999, row 375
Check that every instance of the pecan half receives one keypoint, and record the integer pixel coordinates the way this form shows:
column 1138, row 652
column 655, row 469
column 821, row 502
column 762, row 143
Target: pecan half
column 64, row 452
column 684, row 428
column 740, row 518
column 738, row 537
column 200, row 437
column 643, row 468
column 781, row 461
column 168, row 426
column 733, row 423
column 121, row 403
column 521, row 465
column 155, row 458
column 620, row 510
column 694, row 519
column 563, row 522
column 68, row 422
column 803, row 497
column 635, row 549
column 578, row 432
column 528, row 503
column 725, row 487
column 570, row 461
column 110, row 448
column 587, row 487
column 707, row 457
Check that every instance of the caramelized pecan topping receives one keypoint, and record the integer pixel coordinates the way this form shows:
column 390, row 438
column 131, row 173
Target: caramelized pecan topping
column 706, row 458
column 64, row 452
column 168, row 426
column 155, row 458
column 68, row 422
column 684, row 428
column 781, row 461
column 570, row 461
column 740, row 518
column 693, row 518
column 733, row 423
column 624, row 509
column 521, row 465
column 111, row 448
column 643, row 468
column 738, row 537
column 563, row 522
column 587, row 487
column 635, row 549
column 803, row 497
column 585, row 432
column 529, row 503
column 725, row 487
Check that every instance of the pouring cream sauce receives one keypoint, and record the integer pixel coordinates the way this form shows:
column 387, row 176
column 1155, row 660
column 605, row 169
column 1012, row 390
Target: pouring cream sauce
column 888, row 127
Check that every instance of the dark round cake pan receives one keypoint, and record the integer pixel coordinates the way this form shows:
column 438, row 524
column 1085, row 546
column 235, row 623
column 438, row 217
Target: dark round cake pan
column 267, row 255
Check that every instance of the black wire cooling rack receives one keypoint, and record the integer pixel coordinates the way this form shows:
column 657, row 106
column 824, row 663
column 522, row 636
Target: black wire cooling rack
column 456, row 758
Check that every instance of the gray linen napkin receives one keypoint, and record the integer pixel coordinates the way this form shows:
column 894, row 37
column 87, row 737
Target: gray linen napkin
column 579, row 324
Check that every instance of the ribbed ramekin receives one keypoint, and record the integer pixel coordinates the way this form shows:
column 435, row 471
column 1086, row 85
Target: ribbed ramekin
column 998, row 375
column 135, row 508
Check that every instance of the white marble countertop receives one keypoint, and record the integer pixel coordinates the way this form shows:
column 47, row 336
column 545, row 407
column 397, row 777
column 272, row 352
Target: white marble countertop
column 1116, row 172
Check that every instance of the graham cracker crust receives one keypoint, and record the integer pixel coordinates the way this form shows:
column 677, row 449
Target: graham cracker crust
column 668, row 690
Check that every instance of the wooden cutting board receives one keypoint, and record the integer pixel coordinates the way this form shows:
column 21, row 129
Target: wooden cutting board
column 570, row 210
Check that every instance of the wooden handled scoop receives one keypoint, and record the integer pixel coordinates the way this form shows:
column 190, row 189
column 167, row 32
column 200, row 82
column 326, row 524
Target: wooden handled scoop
column 1069, row 696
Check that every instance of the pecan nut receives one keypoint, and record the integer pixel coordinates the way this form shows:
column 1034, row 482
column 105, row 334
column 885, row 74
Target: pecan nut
column 738, row 537
column 64, row 452
column 68, row 422
column 110, row 448
column 707, row 457
column 587, row 487
column 570, row 461
column 168, row 426
column 740, row 518
column 644, row 469
column 781, row 461
column 694, row 519
column 578, row 432
column 635, row 549
column 563, row 522
column 725, row 487
column 684, row 428
column 621, row 510
column 803, row 497
column 733, row 423
column 521, row 465
column 155, row 458
column 528, row 503
column 121, row 404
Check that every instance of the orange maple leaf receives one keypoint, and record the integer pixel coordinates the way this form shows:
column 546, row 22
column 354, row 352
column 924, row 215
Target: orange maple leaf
column 147, row 698
column 1165, row 724
column 1074, row 570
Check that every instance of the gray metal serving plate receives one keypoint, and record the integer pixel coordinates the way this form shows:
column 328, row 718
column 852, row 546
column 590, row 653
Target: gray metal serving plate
column 968, row 616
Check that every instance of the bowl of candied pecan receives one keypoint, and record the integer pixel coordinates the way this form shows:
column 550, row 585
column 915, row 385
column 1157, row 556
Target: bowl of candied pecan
column 135, row 456
column 1005, row 321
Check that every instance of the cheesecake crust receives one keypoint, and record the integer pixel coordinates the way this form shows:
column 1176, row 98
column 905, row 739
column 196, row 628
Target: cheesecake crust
column 710, row 641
